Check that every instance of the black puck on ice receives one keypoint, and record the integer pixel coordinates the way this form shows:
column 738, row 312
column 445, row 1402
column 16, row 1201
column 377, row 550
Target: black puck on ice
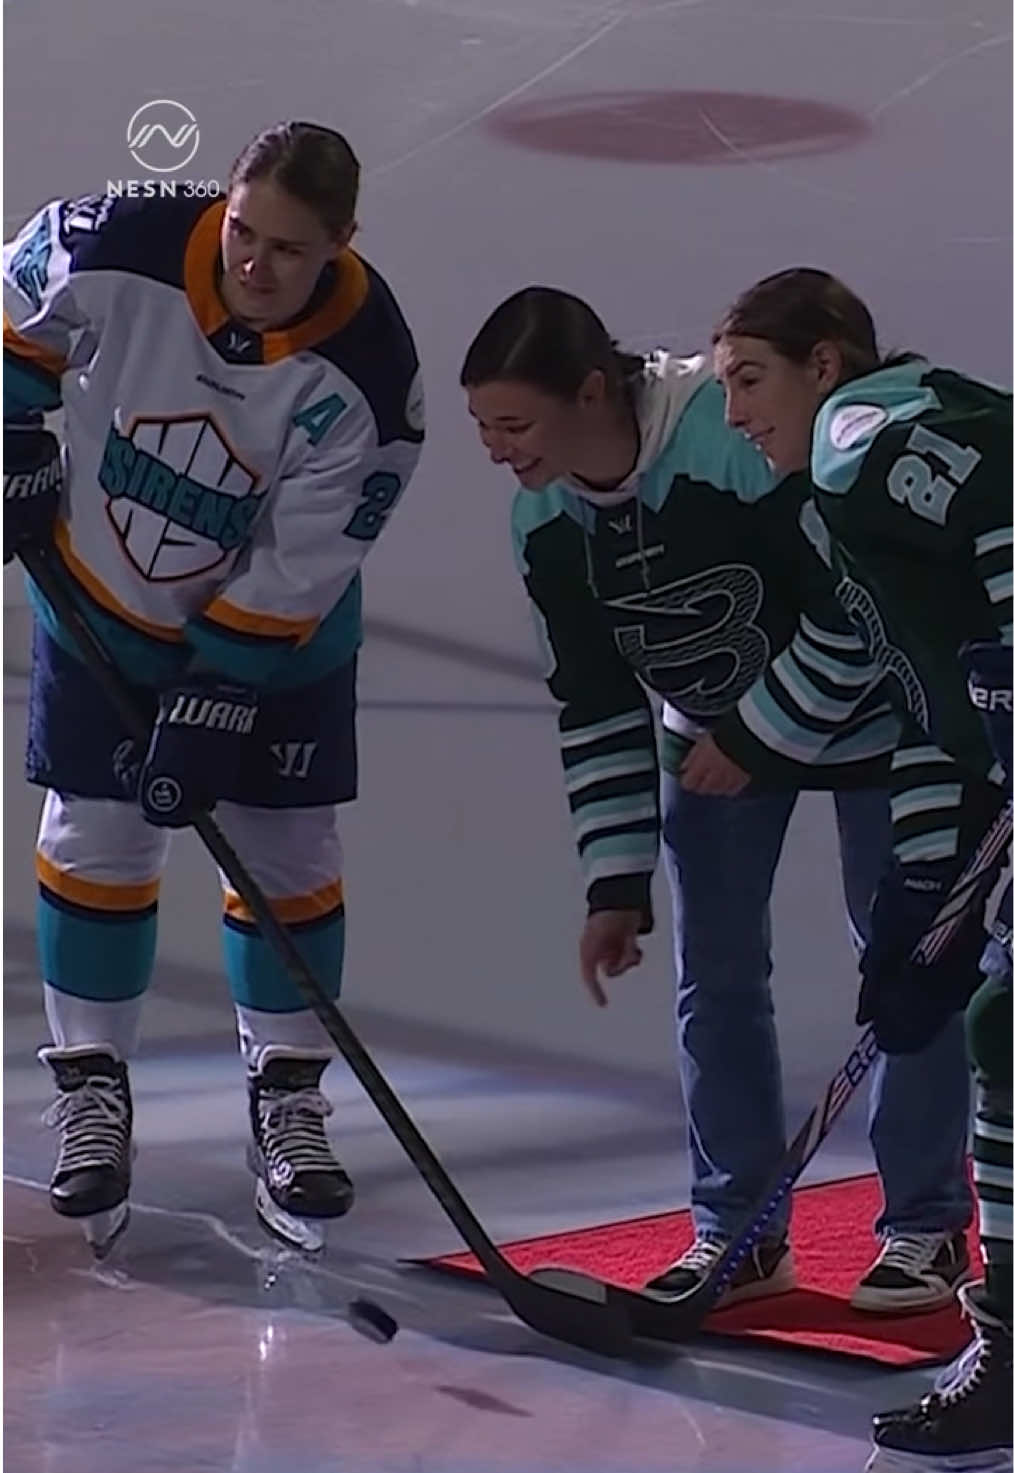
column 372, row 1321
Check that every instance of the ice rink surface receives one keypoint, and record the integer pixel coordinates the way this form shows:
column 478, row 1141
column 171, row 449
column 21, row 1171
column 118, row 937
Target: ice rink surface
column 655, row 158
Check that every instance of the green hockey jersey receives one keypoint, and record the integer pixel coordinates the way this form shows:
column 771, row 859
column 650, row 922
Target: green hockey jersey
column 912, row 475
column 692, row 580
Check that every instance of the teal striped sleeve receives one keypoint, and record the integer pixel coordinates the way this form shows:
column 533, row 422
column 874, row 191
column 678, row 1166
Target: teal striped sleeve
column 607, row 730
column 991, row 551
column 939, row 811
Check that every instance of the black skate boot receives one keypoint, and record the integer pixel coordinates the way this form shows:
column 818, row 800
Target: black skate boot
column 94, row 1113
column 967, row 1424
column 299, row 1182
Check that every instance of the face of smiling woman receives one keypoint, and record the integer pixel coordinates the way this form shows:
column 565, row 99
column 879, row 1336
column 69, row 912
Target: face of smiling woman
column 772, row 400
column 543, row 437
column 274, row 248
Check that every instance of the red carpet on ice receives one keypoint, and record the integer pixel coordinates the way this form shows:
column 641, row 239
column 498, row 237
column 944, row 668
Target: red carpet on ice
column 833, row 1245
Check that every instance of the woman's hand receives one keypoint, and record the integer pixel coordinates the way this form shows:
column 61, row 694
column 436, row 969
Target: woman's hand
column 609, row 941
column 708, row 771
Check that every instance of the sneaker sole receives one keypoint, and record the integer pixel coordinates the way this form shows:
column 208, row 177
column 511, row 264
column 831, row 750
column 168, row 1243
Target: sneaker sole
column 782, row 1281
column 907, row 1301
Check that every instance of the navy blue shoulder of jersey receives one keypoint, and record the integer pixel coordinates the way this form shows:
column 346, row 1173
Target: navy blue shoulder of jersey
column 375, row 350
column 145, row 237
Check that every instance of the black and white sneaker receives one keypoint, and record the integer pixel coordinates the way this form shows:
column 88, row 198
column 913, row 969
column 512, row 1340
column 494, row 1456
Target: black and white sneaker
column 94, row 1114
column 767, row 1269
column 299, row 1182
column 966, row 1427
column 914, row 1272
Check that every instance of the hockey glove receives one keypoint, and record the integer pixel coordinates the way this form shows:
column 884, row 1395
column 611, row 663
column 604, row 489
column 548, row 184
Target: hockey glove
column 988, row 670
column 33, row 479
column 908, row 1003
column 196, row 746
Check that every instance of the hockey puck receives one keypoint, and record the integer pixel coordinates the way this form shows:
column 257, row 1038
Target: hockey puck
column 372, row 1321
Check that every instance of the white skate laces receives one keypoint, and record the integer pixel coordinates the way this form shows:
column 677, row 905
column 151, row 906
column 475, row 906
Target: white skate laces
column 93, row 1121
column 292, row 1133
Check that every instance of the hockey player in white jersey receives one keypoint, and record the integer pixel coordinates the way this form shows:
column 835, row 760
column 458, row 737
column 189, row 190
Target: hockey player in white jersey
column 242, row 410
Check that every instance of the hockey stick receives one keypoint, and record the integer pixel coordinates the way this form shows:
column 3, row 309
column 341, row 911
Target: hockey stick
column 663, row 1317
column 585, row 1312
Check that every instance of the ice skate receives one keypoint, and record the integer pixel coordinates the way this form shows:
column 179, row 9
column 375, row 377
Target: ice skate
column 965, row 1427
column 300, row 1185
column 94, row 1114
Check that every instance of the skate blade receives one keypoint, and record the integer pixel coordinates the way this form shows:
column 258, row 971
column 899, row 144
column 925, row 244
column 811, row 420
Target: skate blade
column 103, row 1229
column 889, row 1460
column 304, row 1233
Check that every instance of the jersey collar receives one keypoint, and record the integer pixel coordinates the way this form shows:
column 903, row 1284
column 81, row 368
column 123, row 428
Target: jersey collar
column 200, row 269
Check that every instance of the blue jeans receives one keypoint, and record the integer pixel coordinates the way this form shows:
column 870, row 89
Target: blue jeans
column 720, row 856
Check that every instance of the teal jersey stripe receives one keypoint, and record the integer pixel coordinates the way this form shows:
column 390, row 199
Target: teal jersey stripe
column 28, row 390
column 762, row 715
column 925, row 799
column 941, row 844
column 875, row 736
column 610, row 812
column 807, row 696
column 597, row 769
column 814, row 658
column 830, row 638
column 1000, row 587
column 578, row 736
column 597, row 864
column 918, row 757
column 992, row 541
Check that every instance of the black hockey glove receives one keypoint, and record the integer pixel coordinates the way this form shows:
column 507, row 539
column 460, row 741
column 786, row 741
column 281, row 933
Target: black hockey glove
column 33, row 480
column 907, row 1002
column 988, row 670
column 196, row 747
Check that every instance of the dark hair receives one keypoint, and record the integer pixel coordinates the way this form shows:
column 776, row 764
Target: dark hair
column 550, row 340
column 796, row 309
column 313, row 164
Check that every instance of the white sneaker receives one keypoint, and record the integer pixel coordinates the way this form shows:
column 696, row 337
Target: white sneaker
column 766, row 1269
column 914, row 1272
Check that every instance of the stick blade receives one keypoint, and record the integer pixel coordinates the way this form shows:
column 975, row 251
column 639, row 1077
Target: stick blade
column 650, row 1316
column 573, row 1307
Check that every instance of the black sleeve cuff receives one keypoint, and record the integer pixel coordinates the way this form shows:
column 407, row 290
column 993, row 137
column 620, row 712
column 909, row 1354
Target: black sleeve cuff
column 624, row 892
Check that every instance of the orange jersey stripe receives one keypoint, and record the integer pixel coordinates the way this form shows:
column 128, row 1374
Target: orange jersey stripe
column 23, row 347
column 292, row 908
column 201, row 259
column 94, row 894
column 274, row 626
column 102, row 595
column 199, row 262
column 339, row 309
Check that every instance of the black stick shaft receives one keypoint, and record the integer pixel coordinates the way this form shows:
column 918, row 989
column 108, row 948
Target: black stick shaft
column 51, row 579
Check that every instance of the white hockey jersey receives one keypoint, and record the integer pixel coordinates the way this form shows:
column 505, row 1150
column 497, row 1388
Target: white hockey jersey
column 222, row 485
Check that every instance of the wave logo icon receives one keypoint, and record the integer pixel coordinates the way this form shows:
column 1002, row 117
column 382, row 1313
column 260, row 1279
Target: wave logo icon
column 163, row 136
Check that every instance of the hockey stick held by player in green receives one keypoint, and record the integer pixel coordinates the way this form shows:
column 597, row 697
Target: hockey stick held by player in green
column 585, row 1312
column 675, row 1318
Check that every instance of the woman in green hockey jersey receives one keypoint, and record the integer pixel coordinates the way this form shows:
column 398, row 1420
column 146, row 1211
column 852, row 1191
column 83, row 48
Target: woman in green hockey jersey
column 660, row 556
column 911, row 469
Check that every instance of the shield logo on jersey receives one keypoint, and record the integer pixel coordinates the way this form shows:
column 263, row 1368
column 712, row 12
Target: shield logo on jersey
column 179, row 496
